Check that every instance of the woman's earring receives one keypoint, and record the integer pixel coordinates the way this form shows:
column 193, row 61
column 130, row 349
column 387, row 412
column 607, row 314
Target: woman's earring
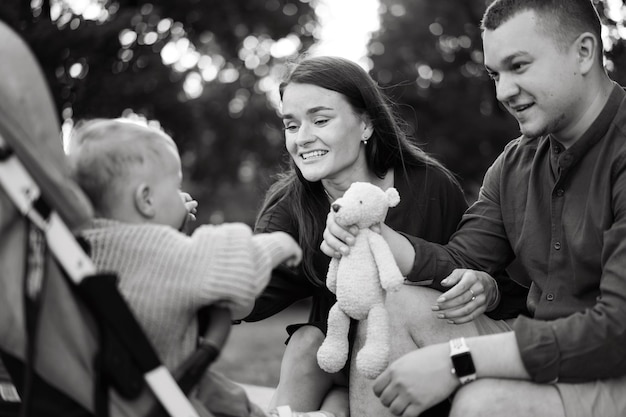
column 365, row 138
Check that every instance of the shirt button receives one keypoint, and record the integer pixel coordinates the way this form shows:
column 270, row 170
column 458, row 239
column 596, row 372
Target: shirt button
column 550, row 297
column 557, row 245
column 560, row 192
column 566, row 160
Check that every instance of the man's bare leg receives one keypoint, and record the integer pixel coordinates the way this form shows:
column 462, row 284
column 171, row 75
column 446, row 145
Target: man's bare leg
column 413, row 325
column 500, row 397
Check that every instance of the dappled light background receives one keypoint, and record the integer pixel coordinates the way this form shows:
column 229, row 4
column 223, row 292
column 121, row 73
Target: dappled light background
column 206, row 71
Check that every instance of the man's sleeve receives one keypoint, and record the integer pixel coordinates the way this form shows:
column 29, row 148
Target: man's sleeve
column 480, row 241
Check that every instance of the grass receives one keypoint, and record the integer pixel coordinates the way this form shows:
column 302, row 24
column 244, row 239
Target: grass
column 253, row 352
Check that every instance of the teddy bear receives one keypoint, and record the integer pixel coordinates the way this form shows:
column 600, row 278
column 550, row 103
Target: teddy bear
column 360, row 281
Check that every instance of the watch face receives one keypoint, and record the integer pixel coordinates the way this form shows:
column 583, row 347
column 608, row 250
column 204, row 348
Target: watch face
column 463, row 364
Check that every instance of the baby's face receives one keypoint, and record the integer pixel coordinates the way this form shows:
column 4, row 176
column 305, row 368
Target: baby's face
column 168, row 202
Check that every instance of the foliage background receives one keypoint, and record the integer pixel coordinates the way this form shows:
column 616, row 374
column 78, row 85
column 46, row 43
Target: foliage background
column 206, row 70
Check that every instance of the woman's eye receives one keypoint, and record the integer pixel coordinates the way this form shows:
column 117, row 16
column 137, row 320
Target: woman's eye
column 321, row 121
column 518, row 66
column 290, row 128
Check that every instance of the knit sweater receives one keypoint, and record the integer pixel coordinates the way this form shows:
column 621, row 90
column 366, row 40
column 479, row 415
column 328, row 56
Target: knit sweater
column 166, row 276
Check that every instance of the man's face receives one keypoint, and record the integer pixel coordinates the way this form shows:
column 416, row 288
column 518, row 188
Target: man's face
column 537, row 80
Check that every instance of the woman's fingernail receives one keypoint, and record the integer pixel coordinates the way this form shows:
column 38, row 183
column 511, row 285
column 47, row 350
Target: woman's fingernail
column 350, row 240
column 441, row 299
column 434, row 308
column 450, row 321
column 344, row 250
column 441, row 316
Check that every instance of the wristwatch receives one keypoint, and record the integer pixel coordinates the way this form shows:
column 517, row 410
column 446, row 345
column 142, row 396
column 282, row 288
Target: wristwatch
column 462, row 363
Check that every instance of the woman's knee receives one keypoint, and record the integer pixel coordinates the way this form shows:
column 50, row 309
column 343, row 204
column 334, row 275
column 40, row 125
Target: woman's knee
column 411, row 316
column 304, row 343
column 410, row 301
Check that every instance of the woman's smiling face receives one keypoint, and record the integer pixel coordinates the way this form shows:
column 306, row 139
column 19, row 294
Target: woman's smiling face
column 323, row 133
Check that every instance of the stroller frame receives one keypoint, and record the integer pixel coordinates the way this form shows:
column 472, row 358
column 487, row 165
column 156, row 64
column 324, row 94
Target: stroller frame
column 49, row 215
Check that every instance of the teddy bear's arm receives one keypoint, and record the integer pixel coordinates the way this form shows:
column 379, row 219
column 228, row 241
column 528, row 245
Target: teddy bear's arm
column 331, row 276
column 389, row 274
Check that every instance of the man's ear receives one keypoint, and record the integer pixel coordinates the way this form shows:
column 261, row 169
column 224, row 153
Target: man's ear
column 144, row 202
column 588, row 48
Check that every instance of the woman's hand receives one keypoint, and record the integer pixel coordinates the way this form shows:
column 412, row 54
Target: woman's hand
column 337, row 239
column 472, row 293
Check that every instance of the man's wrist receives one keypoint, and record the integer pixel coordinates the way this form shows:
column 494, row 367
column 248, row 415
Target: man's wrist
column 462, row 361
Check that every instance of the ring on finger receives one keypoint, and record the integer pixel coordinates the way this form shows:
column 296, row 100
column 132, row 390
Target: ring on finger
column 473, row 295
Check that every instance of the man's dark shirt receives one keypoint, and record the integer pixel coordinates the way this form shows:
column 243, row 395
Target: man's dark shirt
column 562, row 214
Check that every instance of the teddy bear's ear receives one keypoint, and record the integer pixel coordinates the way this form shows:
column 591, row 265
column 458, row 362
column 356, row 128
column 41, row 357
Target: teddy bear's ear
column 392, row 196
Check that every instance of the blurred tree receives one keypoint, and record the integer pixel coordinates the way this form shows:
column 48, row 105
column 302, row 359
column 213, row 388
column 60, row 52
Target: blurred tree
column 201, row 68
column 204, row 68
column 429, row 55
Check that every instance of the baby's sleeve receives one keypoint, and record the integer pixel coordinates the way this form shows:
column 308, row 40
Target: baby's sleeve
column 230, row 264
column 270, row 252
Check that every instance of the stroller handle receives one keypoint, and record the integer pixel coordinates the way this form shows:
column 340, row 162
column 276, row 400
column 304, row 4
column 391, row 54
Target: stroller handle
column 218, row 323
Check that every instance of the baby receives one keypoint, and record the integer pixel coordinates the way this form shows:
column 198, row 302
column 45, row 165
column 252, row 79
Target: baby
column 132, row 175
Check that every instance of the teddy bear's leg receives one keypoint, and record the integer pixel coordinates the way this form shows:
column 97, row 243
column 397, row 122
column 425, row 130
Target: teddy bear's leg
column 333, row 353
column 373, row 357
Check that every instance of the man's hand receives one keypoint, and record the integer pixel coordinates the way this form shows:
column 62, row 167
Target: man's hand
column 417, row 381
column 471, row 294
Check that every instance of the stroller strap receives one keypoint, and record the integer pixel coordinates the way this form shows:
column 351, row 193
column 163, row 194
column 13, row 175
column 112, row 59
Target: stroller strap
column 26, row 195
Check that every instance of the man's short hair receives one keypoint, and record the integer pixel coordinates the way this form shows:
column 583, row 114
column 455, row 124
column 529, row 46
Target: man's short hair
column 564, row 20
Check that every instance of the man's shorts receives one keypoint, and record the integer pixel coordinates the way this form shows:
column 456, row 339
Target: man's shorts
column 604, row 398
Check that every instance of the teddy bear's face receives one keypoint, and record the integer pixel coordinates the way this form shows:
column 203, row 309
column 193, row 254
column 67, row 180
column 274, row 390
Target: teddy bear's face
column 363, row 204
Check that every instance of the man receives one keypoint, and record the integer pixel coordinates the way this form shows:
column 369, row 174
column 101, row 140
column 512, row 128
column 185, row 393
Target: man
column 554, row 200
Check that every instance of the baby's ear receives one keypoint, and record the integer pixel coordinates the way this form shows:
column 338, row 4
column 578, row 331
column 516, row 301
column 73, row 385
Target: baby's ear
column 144, row 202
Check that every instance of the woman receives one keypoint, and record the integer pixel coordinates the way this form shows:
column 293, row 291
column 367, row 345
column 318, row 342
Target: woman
column 340, row 128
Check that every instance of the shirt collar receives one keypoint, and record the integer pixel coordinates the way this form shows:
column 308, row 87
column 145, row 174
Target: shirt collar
column 568, row 158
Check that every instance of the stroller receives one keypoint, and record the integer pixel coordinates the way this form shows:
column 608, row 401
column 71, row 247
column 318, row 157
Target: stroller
column 69, row 341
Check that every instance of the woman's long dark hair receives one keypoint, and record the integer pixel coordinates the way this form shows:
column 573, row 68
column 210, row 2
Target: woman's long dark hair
column 388, row 147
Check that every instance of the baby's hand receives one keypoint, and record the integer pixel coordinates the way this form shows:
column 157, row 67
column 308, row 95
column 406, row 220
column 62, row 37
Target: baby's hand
column 292, row 249
column 190, row 204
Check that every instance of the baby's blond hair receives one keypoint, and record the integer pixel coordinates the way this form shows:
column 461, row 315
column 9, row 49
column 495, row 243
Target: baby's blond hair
column 105, row 154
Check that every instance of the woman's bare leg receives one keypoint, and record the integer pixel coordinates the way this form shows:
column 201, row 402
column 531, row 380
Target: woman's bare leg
column 303, row 385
